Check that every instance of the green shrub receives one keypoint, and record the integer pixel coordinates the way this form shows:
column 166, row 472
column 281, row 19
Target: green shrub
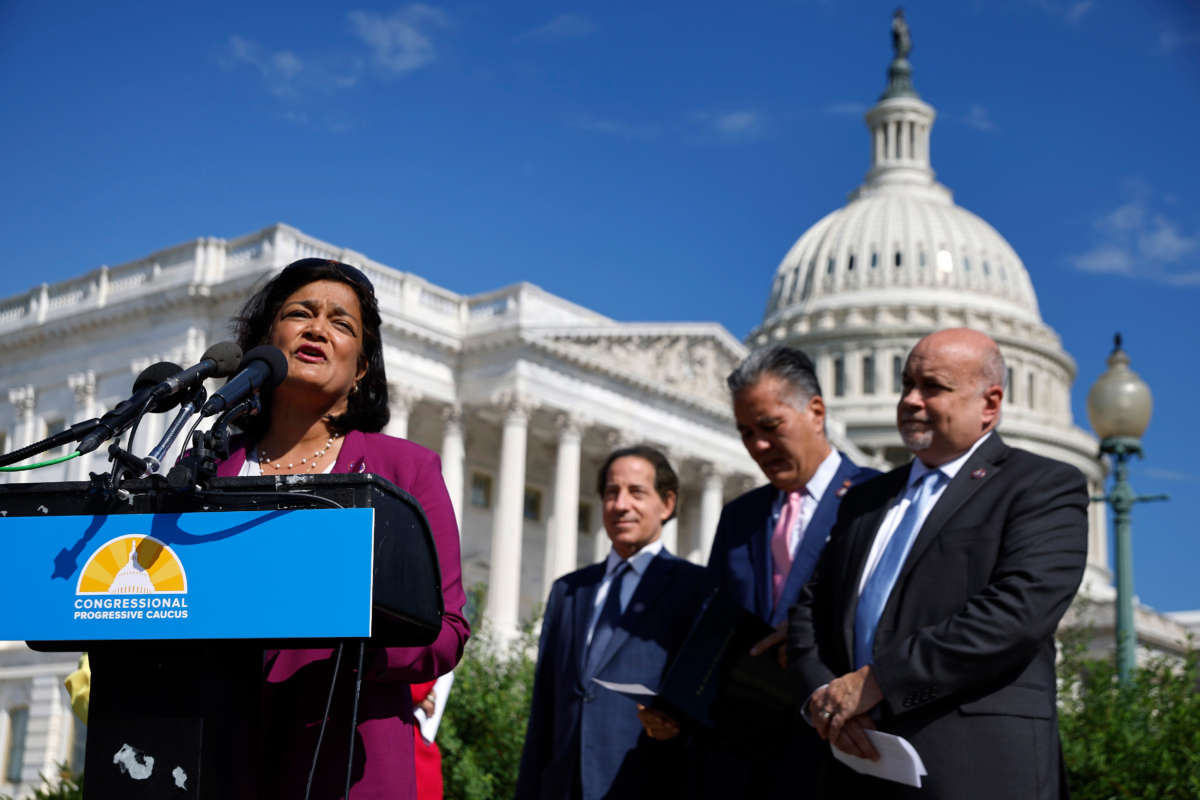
column 1133, row 742
column 483, row 727
column 68, row 787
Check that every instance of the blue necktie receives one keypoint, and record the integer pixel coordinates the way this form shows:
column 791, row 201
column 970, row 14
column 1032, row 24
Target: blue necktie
column 606, row 623
column 879, row 586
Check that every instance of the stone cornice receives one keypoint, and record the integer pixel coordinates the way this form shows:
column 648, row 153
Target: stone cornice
column 119, row 313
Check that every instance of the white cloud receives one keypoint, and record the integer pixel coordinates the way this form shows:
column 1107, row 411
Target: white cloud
column 1139, row 240
column 1170, row 41
column 400, row 42
column 1071, row 12
column 564, row 26
column 612, row 127
column 978, row 118
column 279, row 69
column 733, row 126
column 1158, row 473
column 1105, row 258
column 286, row 74
column 1076, row 11
column 850, row 108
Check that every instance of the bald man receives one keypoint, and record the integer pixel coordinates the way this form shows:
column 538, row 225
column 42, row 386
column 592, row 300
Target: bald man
column 932, row 612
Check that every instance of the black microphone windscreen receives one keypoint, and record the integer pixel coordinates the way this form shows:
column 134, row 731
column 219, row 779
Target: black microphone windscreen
column 154, row 374
column 274, row 359
column 227, row 355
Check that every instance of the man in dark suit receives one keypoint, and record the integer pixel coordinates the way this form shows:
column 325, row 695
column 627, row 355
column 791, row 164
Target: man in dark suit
column 768, row 540
column 621, row 620
column 932, row 612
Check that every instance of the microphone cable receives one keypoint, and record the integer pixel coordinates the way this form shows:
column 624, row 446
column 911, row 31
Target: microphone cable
column 40, row 464
column 312, row 771
column 362, row 646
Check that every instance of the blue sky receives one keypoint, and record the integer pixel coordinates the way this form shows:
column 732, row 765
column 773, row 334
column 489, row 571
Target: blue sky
column 653, row 161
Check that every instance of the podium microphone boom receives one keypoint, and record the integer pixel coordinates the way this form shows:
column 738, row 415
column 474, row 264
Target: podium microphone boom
column 262, row 367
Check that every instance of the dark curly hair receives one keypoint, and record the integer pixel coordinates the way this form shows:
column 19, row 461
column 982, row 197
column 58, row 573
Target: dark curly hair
column 367, row 406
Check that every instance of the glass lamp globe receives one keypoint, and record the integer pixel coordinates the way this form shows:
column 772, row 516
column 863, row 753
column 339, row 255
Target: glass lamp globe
column 1119, row 402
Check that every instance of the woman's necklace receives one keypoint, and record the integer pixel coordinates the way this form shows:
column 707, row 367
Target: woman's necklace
column 306, row 464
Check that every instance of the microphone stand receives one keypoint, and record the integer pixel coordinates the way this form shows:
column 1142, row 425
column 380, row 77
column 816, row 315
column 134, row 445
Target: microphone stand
column 199, row 465
column 65, row 436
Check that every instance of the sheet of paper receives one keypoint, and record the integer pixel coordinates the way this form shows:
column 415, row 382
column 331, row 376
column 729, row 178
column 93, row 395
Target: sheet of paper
column 898, row 760
column 634, row 691
column 429, row 723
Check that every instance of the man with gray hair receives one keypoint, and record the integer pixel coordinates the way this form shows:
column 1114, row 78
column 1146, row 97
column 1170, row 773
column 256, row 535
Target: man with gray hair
column 768, row 540
column 932, row 612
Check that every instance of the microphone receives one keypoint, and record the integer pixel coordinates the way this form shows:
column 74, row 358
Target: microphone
column 154, row 460
column 218, row 361
column 126, row 411
column 264, row 366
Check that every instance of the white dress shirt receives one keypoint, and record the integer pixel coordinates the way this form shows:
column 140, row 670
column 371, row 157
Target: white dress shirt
column 891, row 520
column 638, row 565
column 810, row 498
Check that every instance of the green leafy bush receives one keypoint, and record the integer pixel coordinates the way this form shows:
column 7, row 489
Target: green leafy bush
column 68, row 787
column 1134, row 742
column 483, row 727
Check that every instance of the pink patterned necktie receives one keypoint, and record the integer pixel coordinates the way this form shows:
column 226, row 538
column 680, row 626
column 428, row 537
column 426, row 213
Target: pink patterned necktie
column 781, row 554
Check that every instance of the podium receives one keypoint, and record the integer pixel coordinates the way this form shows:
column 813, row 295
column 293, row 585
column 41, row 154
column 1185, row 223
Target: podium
column 175, row 597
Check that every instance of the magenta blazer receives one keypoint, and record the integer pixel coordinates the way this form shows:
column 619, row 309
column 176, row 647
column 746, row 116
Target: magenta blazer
column 297, row 681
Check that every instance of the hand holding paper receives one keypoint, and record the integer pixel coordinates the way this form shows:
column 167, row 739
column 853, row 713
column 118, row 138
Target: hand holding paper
column 898, row 760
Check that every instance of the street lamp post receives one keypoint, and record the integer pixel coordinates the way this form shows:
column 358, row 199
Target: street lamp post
column 1119, row 405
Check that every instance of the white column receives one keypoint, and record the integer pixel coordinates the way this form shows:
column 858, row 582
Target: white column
column 23, row 398
column 83, row 387
column 504, row 574
column 670, row 533
column 600, row 542
column 562, row 534
column 710, row 509
column 453, row 459
column 400, row 404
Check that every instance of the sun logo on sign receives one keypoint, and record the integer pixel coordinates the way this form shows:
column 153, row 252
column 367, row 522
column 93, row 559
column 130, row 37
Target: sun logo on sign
column 132, row 564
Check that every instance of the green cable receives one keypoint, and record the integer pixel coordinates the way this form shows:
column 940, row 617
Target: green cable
column 51, row 462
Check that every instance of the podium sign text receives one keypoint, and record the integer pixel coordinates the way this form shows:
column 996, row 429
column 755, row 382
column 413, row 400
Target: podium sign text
column 213, row 575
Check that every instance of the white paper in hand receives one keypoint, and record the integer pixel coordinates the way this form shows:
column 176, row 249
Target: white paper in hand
column 898, row 759
column 634, row 691
column 429, row 723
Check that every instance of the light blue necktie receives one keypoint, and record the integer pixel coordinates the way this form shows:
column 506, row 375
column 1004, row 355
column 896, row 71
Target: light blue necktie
column 879, row 586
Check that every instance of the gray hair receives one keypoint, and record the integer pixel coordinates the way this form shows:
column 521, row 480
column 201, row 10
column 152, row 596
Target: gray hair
column 788, row 364
column 992, row 370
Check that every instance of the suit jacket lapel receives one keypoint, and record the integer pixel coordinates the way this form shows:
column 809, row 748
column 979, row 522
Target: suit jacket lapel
column 653, row 583
column 585, row 602
column 820, row 524
column 759, row 557
column 953, row 496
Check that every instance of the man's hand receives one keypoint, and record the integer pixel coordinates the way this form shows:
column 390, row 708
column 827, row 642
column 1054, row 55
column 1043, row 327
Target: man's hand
column 779, row 637
column 841, row 699
column 853, row 738
column 427, row 705
column 657, row 724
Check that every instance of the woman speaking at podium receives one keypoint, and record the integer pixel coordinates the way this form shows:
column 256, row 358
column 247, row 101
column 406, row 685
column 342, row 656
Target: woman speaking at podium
column 325, row 417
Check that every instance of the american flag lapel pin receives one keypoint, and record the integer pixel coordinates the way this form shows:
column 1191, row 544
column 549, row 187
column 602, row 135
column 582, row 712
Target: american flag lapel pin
column 979, row 473
column 845, row 487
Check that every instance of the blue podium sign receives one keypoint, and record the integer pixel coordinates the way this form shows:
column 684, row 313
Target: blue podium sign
column 214, row 575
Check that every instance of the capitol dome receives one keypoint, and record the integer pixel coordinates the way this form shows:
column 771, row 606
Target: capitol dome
column 901, row 260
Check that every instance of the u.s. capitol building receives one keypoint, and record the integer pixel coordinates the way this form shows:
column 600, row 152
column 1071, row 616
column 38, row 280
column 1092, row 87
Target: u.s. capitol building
column 523, row 392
